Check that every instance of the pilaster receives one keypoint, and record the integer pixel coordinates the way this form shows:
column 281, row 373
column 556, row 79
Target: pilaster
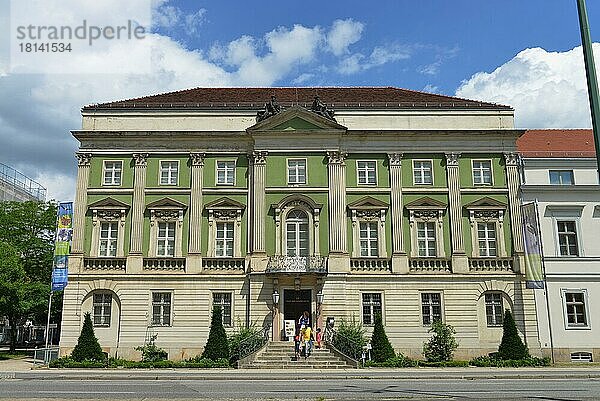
column 512, row 180
column 459, row 258
column 134, row 262
column 338, row 242
column 83, row 177
column 194, row 259
column 257, row 210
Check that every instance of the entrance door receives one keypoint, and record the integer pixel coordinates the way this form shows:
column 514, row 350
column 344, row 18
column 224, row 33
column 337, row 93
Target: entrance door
column 295, row 302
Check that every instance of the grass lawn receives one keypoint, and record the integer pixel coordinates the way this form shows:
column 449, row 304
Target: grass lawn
column 4, row 355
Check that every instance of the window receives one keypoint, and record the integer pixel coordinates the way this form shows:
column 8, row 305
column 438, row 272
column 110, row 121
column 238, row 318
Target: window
column 494, row 309
column 367, row 172
column 486, row 235
column 102, row 308
column 108, row 238
column 482, row 172
column 166, row 239
column 161, row 308
column 225, row 172
column 575, row 309
column 112, row 172
column 368, row 239
column 223, row 299
column 426, row 238
column 567, row 238
column 422, row 172
column 296, row 171
column 224, row 241
column 561, row 177
column 297, row 233
column 581, row 357
column 169, row 172
column 371, row 304
column 431, row 307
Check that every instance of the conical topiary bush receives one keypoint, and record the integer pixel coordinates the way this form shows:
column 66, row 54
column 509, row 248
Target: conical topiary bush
column 217, row 345
column 512, row 346
column 382, row 350
column 87, row 348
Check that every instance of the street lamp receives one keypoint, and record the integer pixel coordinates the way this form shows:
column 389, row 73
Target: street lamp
column 275, row 298
column 320, row 297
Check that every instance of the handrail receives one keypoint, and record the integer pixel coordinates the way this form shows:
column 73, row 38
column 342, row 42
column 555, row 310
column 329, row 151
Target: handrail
column 253, row 343
column 344, row 345
column 18, row 180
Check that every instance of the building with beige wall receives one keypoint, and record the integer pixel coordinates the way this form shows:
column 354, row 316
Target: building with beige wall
column 560, row 172
column 401, row 203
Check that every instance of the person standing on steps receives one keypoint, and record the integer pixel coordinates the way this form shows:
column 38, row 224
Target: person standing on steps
column 307, row 341
column 304, row 319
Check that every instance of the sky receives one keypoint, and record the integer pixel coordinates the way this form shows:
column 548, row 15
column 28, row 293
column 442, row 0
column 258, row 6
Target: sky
column 525, row 54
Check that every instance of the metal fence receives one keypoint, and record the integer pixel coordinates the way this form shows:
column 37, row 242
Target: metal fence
column 19, row 184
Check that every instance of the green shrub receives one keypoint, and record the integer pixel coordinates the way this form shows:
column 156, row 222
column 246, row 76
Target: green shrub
column 442, row 344
column 511, row 347
column 398, row 361
column 152, row 353
column 68, row 362
column 216, row 345
column 443, row 364
column 87, row 348
column 382, row 350
column 250, row 337
column 350, row 338
column 487, row 361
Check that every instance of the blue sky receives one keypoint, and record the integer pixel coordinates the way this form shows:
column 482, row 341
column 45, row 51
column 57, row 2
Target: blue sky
column 524, row 54
column 463, row 36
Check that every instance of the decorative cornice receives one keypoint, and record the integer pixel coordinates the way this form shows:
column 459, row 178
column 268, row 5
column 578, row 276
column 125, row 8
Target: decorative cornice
column 83, row 159
column 452, row 159
column 512, row 159
column 395, row 159
column 258, row 157
column 197, row 159
column 140, row 159
column 336, row 156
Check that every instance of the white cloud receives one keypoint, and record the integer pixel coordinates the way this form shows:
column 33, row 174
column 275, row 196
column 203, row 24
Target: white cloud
column 546, row 89
column 380, row 55
column 430, row 88
column 343, row 33
column 193, row 21
column 169, row 17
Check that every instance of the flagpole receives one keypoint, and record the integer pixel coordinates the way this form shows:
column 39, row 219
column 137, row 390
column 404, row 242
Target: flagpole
column 546, row 289
column 590, row 72
column 48, row 326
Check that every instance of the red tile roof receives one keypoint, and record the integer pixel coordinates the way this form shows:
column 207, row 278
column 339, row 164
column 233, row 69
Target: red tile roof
column 334, row 97
column 557, row 143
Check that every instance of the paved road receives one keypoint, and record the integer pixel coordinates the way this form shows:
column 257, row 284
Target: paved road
column 308, row 389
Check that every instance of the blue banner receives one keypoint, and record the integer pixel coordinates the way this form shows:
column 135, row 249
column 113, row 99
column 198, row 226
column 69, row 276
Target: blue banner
column 62, row 245
column 60, row 277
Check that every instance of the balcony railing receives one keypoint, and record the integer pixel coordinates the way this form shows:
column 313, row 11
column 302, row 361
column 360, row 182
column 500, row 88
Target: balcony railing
column 237, row 265
column 430, row 265
column 371, row 264
column 170, row 264
column 104, row 263
column 491, row 265
column 297, row 264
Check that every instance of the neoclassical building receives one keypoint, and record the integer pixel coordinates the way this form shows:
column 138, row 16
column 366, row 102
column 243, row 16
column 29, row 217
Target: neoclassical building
column 267, row 202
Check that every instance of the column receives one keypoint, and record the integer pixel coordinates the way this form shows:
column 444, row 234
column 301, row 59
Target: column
column 134, row 263
column 194, row 262
column 516, row 223
column 83, row 177
column 258, row 164
column 399, row 258
column 338, row 242
column 459, row 258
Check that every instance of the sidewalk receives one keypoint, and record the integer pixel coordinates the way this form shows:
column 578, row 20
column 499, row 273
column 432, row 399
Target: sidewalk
column 21, row 370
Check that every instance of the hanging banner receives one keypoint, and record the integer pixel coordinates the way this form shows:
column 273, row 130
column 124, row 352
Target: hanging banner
column 62, row 245
column 533, row 247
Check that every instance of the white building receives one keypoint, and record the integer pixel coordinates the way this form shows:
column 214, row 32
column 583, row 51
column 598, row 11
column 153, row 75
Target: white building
column 560, row 171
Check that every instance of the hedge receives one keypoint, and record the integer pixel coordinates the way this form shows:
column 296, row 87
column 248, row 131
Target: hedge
column 68, row 362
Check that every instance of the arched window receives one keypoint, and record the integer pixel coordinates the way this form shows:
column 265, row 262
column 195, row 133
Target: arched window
column 297, row 241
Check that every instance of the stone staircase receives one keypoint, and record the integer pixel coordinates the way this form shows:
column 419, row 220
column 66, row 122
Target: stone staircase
column 280, row 355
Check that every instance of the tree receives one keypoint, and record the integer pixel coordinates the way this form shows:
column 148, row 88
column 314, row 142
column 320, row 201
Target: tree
column 512, row 346
column 382, row 349
column 442, row 344
column 87, row 348
column 19, row 296
column 217, row 345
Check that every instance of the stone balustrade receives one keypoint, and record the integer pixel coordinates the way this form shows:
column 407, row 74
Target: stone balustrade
column 491, row 265
column 168, row 264
column 118, row 264
column 371, row 264
column 226, row 265
column 297, row 264
column 430, row 265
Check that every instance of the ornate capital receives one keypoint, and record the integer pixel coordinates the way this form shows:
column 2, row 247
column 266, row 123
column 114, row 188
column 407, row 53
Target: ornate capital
column 452, row 159
column 512, row 159
column 197, row 159
column 336, row 157
column 83, row 159
column 258, row 157
column 395, row 159
column 140, row 159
